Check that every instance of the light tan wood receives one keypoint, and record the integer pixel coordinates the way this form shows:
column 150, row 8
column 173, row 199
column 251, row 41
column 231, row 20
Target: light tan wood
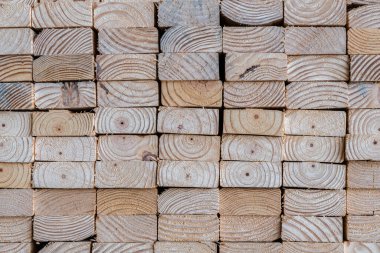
column 189, row 247
column 16, row 149
column 126, row 201
column 188, row 66
column 63, row 175
column 16, row 247
column 250, row 174
column 331, row 95
column 315, row 202
column 312, row 229
column 315, row 40
column 364, row 17
column 203, row 228
column 188, row 174
column 364, row 95
column 363, row 228
column 125, row 120
column 365, row 68
column 189, row 148
column 14, row 14
column 128, row 147
column 64, row 42
column 16, row 68
column 62, row 14
column 188, row 121
column 312, row 247
column 315, row 122
column 128, row 41
column 192, row 93
column 122, row 247
column 15, row 124
column 268, row 39
column 363, row 202
column 15, row 175
column 254, row 94
column 252, row 148
column 62, row 247
column 318, row 68
column 189, row 201
column 253, row 121
column 314, row 175
column 255, row 66
column 363, row 41
column 362, row 174
column 16, row 202
column 242, row 247
column 63, row 228
column 370, row 2
column 126, row 174
column 15, row 229
column 188, row 13
column 127, row 93
column 17, row 96
column 363, row 147
column 191, row 39
column 356, row 247
column 62, row 123
column 16, row 41
column 28, row 2
column 235, row 228
column 131, row 228
column 362, row 121
column 235, row 201
column 319, row 12
column 255, row 13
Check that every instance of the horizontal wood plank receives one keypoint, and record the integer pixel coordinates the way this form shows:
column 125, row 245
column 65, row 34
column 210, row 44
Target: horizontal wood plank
column 16, row 68
column 365, row 68
column 17, row 96
column 363, row 202
column 312, row 247
column 15, row 124
column 366, row 16
column 13, row 14
column 363, row 95
column 16, row 41
column 363, row 147
column 16, row 149
column 363, row 41
column 363, row 174
column 15, row 175
column 362, row 121
column 371, row 247
column 122, row 247
column 16, row 202
column 16, row 247
column 73, row 247
column 363, row 228
column 189, row 247
column 16, row 229
column 241, row 247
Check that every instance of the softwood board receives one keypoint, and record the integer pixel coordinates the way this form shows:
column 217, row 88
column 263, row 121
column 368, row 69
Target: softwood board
column 132, row 247
column 28, row 2
column 363, row 228
column 16, row 149
column 363, row 201
column 363, row 174
column 363, row 41
column 16, row 41
column 363, row 95
column 369, row 2
column 189, row 247
column 363, row 121
column 62, row 247
column 15, row 15
column 16, row 247
column 15, row 175
column 312, row 247
column 363, row 147
column 364, row 17
column 365, row 68
column 15, row 229
column 16, row 96
column 354, row 247
column 16, row 68
column 15, row 124
column 16, row 202
column 242, row 247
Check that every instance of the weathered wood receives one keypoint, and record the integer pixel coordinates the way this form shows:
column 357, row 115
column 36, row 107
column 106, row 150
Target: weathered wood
column 63, row 247
column 16, row 149
column 188, row 13
column 255, row 66
column 364, row 95
column 128, row 41
column 191, row 93
column 15, row 124
column 331, row 95
column 125, row 120
column 188, row 66
column 126, row 174
column 253, row 121
column 315, row 40
column 16, row 96
column 365, row 68
column 16, row 41
column 131, row 228
column 314, row 175
column 15, row 14
column 250, row 174
column 189, row 147
column 16, row 247
column 16, row 68
column 370, row 2
column 255, row 13
column 362, row 121
column 363, row 175
column 235, row 228
column 188, row 174
column 62, row 14
column 132, row 247
column 312, row 247
column 312, row 229
column 189, row 247
column 188, row 228
column 188, row 120
column 15, row 229
column 364, row 17
column 128, row 147
column 363, row 41
column 315, row 202
column 355, row 247
column 315, row 122
column 252, row 148
column 253, row 39
column 28, row 2
column 363, row 147
column 70, row 149
column 254, row 94
column 242, row 247
column 63, row 175
column 15, row 175
column 363, row 228
column 16, row 202
column 363, row 202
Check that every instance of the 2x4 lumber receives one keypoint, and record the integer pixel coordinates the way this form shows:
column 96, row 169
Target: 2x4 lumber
column 125, row 174
column 363, row 201
column 127, row 93
column 363, row 121
column 250, row 174
column 331, row 95
column 315, row 122
column 363, row 95
column 363, row 228
column 15, row 15
column 241, row 247
column 315, row 40
column 256, row 67
column 253, row 121
column 15, row 123
column 363, row 41
column 188, row 228
column 188, row 66
column 363, row 174
column 312, row 247
column 252, row 148
column 16, row 202
column 268, row 39
column 191, row 93
column 314, row 175
column 363, row 147
column 249, row 228
column 254, row 94
column 315, row 13
column 188, row 13
column 365, row 68
column 189, row 247
column 15, row 175
column 62, row 14
column 16, row 68
column 353, row 247
column 16, row 96
column 63, row 175
column 312, row 229
column 16, row 41
column 253, row 13
column 122, row 247
column 110, row 120
column 142, row 40
column 15, row 229
column 364, row 2
column 188, row 174
column 367, row 16
column 16, row 246
column 192, row 39
column 128, row 147
column 179, row 147
column 62, row 247
column 16, row 149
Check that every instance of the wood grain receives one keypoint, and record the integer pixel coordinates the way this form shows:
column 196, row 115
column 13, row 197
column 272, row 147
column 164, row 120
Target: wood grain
column 365, row 68
column 363, row 121
column 16, row 247
column 370, row 2
column 363, row 147
column 363, row 228
column 364, row 17
column 16, row 149
column 16, row 202
column 15, row 175
column 363, row 41
column 16, row 68
column 189, row 247
column 355, row 247
column 62, row 247
column 133, row 247
column 15, row 124
column 14, row 14
column 312, row 247
column 363, row 174
column 363, row 202
column 15, row 229
column 16, row 41
column 241, row 247
column 364, row 95
column 16, row 96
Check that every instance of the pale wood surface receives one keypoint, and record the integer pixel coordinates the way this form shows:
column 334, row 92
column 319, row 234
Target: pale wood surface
column 363, row 174
column 133, row 247
column 16, row 202
column 363, row 202
column 189, row 247
column 363, row 147
column 363, row 41
column 16, row 41
column 15, row 175
column 16, row 96
column 370, row 2
column 362, row 121
column 364, row 95
column 356, row 247
column 365, row 68
column 15, row 15
column 242, row 247
column 16, row 149
column 16, row 247
column 367, row 16
column 63, row 247
column 312, row 247
column 15, row 229
column 16, row 68
column 15, row 123
column 188, row 174
column 363, row 228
